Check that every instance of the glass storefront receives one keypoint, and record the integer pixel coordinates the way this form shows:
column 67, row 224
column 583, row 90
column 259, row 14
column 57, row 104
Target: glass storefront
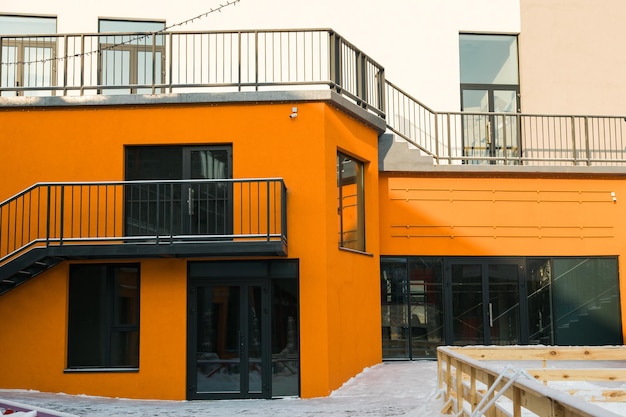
column 427, row 302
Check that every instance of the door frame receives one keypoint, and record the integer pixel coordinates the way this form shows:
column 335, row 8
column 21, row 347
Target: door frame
column 491, row 89
column 266, row 353
column 484, row 262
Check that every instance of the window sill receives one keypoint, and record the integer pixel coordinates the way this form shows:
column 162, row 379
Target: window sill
column 355, row 251
column 99, row 370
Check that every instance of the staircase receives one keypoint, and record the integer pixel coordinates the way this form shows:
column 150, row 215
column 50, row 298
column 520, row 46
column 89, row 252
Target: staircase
column 26, row 267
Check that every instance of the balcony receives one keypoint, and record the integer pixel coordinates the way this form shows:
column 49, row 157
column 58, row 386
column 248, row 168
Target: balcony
column 167, row 63
column 51, row 222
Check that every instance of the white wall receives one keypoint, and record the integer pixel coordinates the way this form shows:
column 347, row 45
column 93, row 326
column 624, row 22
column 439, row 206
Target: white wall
column 415, row 40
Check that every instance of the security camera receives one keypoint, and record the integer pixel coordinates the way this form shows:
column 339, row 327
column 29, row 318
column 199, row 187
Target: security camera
column 293, row 115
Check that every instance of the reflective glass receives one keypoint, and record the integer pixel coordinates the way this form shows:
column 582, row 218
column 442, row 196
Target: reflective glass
column 27, row 25
column 395, row 307
column 488, row 59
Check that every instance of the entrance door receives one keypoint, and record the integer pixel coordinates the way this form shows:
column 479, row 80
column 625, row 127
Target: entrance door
column 164, row 207
column 229, row 340
column 208, row 204
column 485, row 302
column 490, row 135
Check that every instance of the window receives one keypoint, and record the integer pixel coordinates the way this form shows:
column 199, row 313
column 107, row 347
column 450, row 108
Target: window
column 131, row 60
column 103, row 322
column 489, row 83
column 351, row 203
column 27, row 61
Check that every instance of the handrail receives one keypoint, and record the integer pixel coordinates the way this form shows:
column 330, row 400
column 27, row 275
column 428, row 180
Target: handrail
column 143, row 212
column 462, row 370
column 235, row 60
column 78, row 64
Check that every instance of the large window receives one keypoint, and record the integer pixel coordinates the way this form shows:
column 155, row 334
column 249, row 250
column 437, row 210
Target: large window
column 351, row 202
column 103, row 322
column 27, row 61
column 131, row 60
column 489, row 83
column 497, row 301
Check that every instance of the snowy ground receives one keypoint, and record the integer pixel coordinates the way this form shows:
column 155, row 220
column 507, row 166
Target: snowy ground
column 391, row 389
column 406, row 389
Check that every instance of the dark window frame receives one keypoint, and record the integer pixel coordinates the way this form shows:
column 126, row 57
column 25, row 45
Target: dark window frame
column 112, row 323
column 344, row 179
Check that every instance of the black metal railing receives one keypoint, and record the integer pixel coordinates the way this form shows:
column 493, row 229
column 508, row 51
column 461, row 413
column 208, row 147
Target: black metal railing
column 143, row 212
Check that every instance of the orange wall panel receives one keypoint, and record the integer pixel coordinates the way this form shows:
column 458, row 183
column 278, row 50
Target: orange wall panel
column 339, row 291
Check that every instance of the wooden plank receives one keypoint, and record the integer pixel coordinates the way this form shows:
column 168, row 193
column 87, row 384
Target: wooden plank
column 525, row 353
column 582, row 374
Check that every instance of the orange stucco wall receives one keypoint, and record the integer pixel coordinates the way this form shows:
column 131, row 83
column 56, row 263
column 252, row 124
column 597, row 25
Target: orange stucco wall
column 533, row 215
column 339, row 290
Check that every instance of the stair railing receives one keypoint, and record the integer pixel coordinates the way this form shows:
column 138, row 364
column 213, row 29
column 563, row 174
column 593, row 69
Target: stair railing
column 145, row 212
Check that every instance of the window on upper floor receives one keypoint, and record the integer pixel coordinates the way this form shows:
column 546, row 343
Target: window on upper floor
column 132, row 58
column 351, row 202
column 489, row 83
column 103, row 316
column 27, row 61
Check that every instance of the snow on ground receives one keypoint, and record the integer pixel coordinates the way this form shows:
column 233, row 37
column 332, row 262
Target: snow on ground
column 390, row 389
column 406, row 389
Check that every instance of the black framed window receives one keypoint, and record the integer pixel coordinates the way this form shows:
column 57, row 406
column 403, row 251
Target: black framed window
column 351, row 202
column 103, row 317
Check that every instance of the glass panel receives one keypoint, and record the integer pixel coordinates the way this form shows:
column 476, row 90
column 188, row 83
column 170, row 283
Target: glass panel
column 476, row 128
column 395, row 308
column 38, row 71
column 103, row 319
column 9, row 72
column 285, row 369
column 218, row 337
column 255, row 338
column 467, row 304
column 506, row 130
column 154, row 209
column 351, row 204
column 488, row 59
column 128, row 60
column 503, row 308
column 27, row 25
column 539, row 276
column 210, row 202
column 586, row 301
column 426, row 306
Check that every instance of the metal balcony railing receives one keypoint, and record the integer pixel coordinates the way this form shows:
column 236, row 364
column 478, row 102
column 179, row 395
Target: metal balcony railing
column 173, row 62
column 506, row 138
column 259, row 60
column 157, row 213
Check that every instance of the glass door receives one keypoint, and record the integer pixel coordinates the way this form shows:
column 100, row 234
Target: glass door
column 163, row 208
column 488, row 132
column 208, row 204
column 485, row 303
column 229, row 340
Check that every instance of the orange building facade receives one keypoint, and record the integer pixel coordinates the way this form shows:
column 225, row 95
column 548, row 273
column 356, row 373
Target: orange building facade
column 260, row 214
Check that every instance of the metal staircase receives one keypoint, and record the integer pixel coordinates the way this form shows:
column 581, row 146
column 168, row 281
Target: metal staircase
column 26, row 267
column 52, row 222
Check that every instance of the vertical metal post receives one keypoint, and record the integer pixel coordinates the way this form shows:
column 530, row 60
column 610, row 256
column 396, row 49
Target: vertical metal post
column 82, row 64
column 268, row 211
column 48, row 218
column 62, row 214
column 239, row 61
column 65, row 64
column 449, row 141
column 335, row 60
column 574, row 152
column 283, row 209
column 154, row 36
column 256, row 60
column 587, row 141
